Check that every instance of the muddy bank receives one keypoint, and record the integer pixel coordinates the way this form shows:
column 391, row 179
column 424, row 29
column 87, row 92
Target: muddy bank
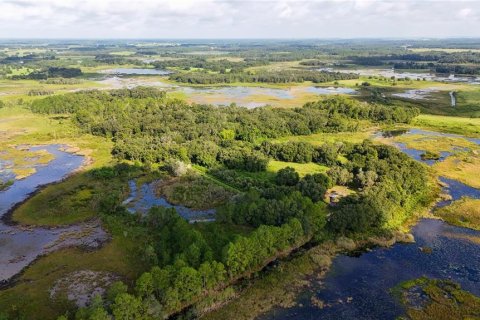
column 22, row 245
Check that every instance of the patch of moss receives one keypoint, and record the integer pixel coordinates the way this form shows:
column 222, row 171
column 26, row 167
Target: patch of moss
column 426, row 298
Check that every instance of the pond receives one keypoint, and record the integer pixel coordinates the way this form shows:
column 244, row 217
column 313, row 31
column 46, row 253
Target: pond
column 416, row 94
column 331, row 90
column 20, row 245
column 360, row 287
column 141, row 200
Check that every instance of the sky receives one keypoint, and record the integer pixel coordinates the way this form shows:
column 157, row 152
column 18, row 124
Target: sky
column 161, row 19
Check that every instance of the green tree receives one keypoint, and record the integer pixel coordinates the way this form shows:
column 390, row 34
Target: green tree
column 188, row 283
column 144, row 285
column 127, row 307
column 287, row 177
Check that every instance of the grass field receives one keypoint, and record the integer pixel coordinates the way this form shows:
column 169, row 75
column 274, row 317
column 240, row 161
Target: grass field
column 464, row 213
column 321, row 138
column 302, row 168
column 466, row 126
column 18, row 126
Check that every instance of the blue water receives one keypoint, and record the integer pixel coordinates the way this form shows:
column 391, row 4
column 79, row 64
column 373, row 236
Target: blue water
column 416, row 154
column 19, row 246
column 359, row 287
column 63, row 164
column 457, row 190
column 367, row 279
column 145, row 198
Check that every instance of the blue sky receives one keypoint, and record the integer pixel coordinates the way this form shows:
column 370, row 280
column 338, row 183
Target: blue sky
column 238, row 18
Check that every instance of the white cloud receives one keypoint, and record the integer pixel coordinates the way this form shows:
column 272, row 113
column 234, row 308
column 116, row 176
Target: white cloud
column 237, row 19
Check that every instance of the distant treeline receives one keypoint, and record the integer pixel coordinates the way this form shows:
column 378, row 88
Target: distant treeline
column 284, row 76
column 313, row 63
column 28, row 58
column 147, row 127
column 51, row 72
column 439, row 62
column 220, row 65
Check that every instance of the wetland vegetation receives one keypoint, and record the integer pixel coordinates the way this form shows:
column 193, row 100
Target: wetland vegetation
column 181, row 207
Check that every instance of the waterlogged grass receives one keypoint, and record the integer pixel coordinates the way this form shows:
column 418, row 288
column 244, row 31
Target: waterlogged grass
column 194, row 191
column 470, row 101
column 61, row 203
column 464, row 167
column 435, row 143
column 68, row 202
column 302, row 168
column 465, row 126
column 22, row 161
column 437, row 299
column 464, row 213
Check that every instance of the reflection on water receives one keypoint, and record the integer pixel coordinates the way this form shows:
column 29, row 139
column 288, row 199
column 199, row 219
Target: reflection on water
column 416, row 94
column 360, row 287
column 331, row 90
column 416, row 154
column 457, row 190
column 145, row 198
column 239, row 92
column 20, row 245
column 245, row 96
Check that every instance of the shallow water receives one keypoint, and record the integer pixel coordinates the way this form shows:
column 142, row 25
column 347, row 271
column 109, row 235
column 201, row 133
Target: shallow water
column 457, row 190
column 145, row 198
column 19, row 246
column 453, row 100
column 331, row 90
column 415, row 153
column 249, row 97
column 360, row 287
column 416, row 94
column 367, row 279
